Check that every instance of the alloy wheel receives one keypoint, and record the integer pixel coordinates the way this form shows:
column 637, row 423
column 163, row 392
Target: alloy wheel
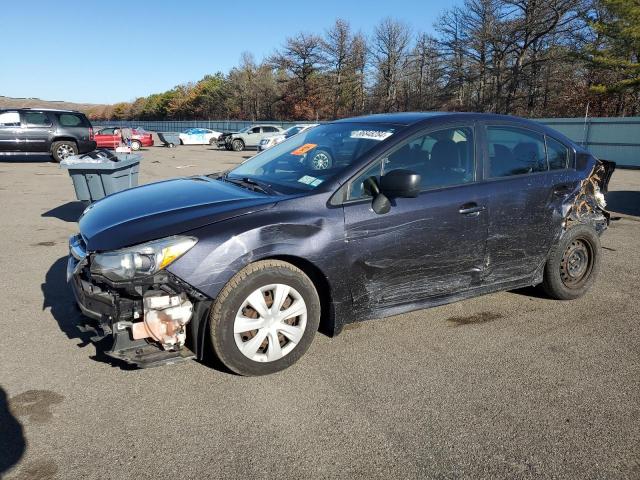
column 320, row 161
column 65, row 150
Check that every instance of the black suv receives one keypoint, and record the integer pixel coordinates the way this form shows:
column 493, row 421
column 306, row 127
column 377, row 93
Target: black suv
column 38, row 130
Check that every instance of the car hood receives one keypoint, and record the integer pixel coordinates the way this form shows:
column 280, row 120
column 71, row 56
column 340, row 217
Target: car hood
column 165, row 208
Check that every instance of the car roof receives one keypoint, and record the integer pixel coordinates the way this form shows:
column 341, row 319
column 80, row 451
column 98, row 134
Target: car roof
column 26, row 109
column 407, row 119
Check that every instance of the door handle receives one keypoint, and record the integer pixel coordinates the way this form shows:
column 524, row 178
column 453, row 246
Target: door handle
column 471, row 209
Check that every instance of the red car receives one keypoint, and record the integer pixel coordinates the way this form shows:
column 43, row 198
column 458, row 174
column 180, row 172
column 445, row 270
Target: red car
column 111, row 137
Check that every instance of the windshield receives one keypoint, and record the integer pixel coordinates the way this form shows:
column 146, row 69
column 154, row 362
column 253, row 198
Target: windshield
column 244, row 130
column 305, row 161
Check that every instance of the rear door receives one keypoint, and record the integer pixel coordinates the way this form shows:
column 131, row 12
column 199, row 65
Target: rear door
column 75, row 125
column 524, row 208
column 37, row 131
column 10, row 132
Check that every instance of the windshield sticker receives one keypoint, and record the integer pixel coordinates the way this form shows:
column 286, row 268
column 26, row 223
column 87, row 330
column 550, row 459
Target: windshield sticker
column 304, row 148
column 309, row 180
column 371, row 134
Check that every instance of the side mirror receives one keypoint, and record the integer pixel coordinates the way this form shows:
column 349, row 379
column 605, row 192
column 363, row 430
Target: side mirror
column 381, row 203
column 400, row 184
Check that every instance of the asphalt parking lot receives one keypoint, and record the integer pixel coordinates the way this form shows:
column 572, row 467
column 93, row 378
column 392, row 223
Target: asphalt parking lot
column 507, row 385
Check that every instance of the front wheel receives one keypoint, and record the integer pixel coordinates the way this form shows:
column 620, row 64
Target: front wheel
column 320, row 159
column 237, row 145
column 265, row 318
column 63, row 149
column 573, row 264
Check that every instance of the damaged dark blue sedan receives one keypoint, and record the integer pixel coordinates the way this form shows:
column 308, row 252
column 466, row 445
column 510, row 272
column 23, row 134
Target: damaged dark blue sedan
column 352, row 220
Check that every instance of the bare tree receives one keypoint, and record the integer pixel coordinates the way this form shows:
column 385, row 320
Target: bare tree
column 335, row 49
column 389, row 47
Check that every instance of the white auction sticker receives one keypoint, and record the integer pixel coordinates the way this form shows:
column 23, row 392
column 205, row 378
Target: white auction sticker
column 371, row 134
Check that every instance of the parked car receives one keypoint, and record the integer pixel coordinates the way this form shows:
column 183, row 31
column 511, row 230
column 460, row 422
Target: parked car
column 111, row 137
column 59, row 133
column 248, row 137
column 400, row 212
column 199, row 136
column 289, row 132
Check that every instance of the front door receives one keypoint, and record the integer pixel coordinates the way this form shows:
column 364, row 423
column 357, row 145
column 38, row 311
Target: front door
column 424, row 248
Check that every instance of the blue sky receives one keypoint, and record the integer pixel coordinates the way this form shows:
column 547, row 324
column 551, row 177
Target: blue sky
column 76, row 51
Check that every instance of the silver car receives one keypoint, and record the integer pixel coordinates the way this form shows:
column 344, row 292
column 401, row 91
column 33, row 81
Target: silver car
column 289, row 132
column 249, row 137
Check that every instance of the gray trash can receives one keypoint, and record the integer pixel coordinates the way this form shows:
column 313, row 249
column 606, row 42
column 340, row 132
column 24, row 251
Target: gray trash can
column 98, row 174
column 169, row 139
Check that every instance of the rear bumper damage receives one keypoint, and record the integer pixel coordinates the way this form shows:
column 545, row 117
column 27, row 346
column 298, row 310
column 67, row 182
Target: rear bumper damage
column 146, row 324
column 588, row 202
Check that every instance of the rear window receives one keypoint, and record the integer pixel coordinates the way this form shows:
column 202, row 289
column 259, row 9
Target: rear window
column 557, row 154
column 72, row 120
column 9, row 119
column 515, row 151
column 36, row 119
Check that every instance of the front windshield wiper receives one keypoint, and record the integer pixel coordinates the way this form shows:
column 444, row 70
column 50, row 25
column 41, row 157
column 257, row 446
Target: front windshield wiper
column 249, row 183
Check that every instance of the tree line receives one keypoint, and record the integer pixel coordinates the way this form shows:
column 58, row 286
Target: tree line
column 535, row 58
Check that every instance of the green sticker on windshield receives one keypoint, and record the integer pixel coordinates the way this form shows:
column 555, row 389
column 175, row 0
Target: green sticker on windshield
column 309, row 180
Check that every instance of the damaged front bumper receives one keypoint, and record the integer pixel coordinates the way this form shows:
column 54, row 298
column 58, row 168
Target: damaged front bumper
column 144, row 323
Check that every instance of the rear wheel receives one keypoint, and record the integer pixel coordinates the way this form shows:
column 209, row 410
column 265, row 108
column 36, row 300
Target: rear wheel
column 265, row 318
column 63, row 149
column 573, row 264
column 135, row 145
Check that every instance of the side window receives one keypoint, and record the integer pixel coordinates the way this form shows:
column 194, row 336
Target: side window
column 36, row 119
column 270, row 129
column 515, row 151
column 557, row 154
column 70, row 120
column 106, row 131
column 358, row 188
column 9, row 119
column 442, row 158
column 255, row 130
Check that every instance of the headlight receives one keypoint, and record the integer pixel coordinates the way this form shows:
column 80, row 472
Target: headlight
column 141, row 260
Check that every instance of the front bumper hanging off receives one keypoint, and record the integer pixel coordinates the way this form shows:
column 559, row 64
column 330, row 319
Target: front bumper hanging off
column 144, row 325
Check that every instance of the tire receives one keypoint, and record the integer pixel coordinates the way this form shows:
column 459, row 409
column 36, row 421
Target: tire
column 573, row 265
column 213, row 141
column 63, row 149
column 320, row 159
column 171, row 145
column 226, row 331
column 135, row 145
column 237, row 145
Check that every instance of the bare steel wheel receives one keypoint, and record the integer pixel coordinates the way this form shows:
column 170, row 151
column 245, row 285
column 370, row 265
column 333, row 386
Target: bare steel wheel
column 573, row 263
column 576, row 263
column 265, row 318
column 270, row 322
